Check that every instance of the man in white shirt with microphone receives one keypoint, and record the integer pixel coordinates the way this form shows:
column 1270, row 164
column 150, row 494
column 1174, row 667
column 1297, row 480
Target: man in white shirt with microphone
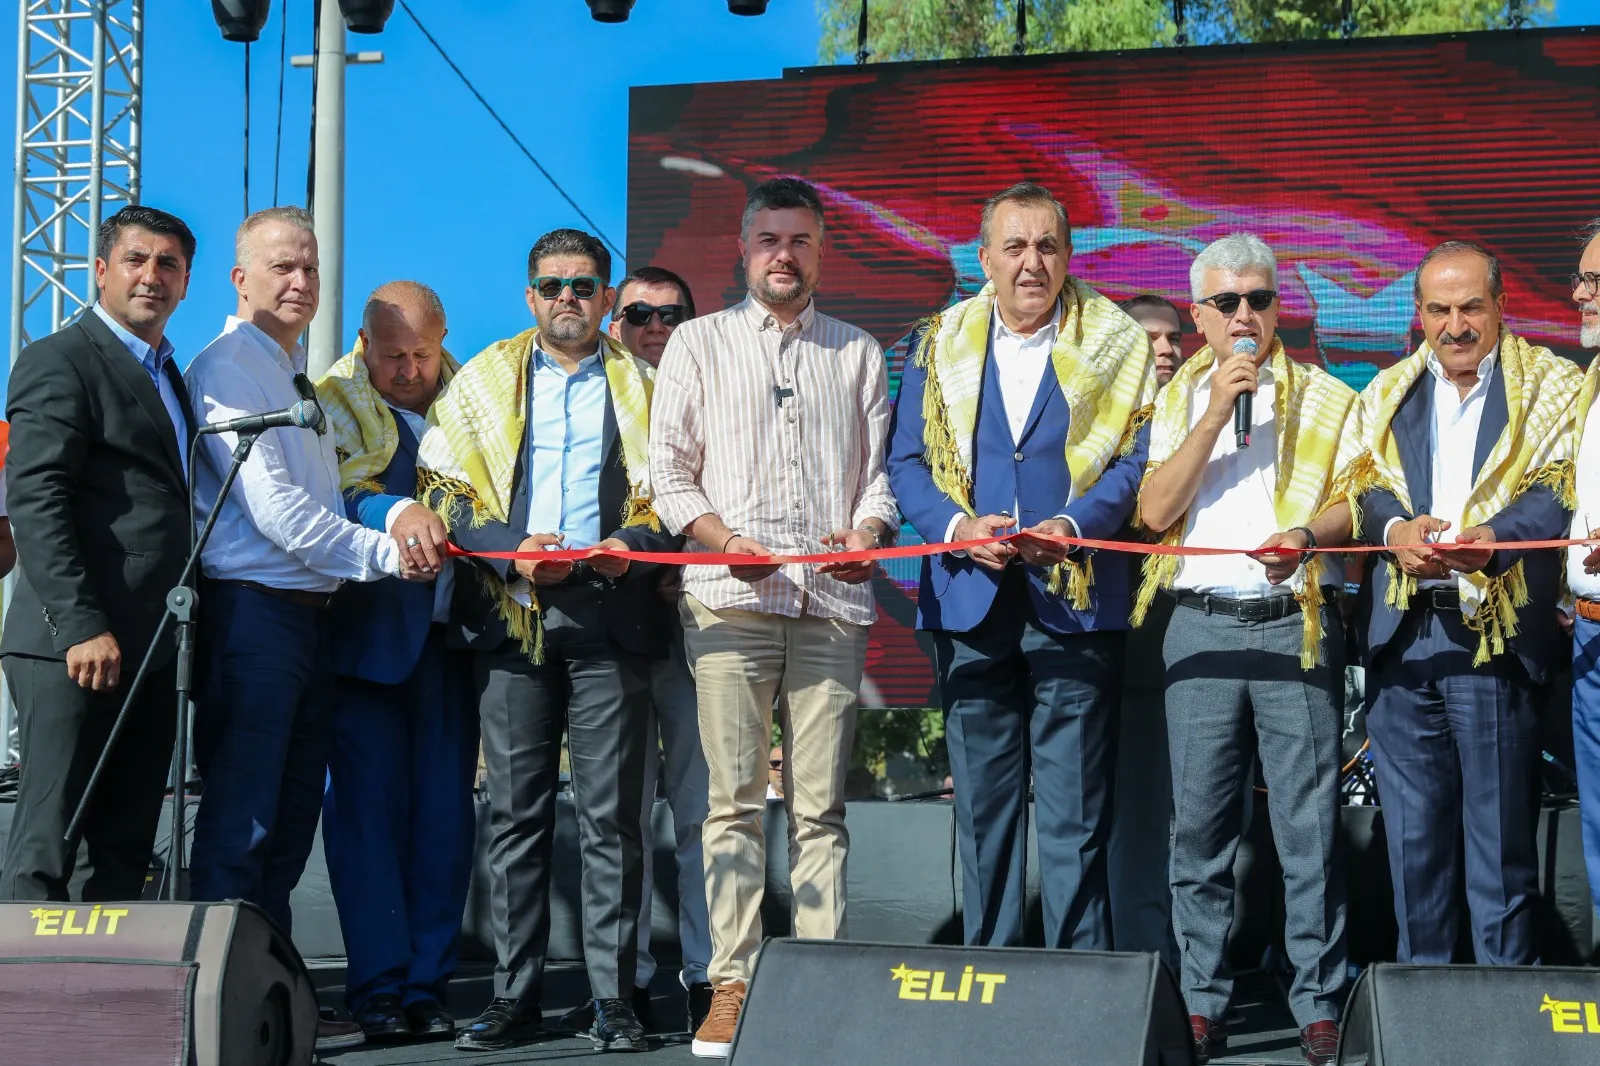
column 281, row 546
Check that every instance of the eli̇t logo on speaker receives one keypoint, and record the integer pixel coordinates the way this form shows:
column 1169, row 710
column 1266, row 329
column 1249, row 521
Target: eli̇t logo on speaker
column 1570, row 1016
column 929, row 985
column 63, row 921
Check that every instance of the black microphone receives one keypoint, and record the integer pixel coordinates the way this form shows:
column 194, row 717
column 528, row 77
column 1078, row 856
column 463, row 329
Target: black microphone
column 306, row 414
column 1243, row 412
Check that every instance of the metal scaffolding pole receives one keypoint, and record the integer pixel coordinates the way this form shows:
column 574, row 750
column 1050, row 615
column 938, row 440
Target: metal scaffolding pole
column 79, row 89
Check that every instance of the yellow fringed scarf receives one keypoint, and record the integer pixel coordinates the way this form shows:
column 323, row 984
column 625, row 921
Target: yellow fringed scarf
column 1537, row 447
column 1310, row 408
column 363, row 426
column 1103, row 363
column 469, row 455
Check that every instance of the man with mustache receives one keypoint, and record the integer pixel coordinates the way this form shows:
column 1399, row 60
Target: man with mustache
column 1254, row 651
column 99, row 437
column 541, row 442
column 398, row 825
column 1158, row 316
column 1583, row 564
column 1024, row 407
column 769, row 436
column 1468, row 441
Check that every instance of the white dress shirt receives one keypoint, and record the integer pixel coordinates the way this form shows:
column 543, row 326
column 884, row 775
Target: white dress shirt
column 445, row 582
column 1587, row 517
column 284, row 523
column 1020, row 363
column 1233, row 507
column 1453, row 442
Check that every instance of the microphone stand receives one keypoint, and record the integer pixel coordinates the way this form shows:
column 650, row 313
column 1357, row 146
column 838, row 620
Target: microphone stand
column 181, row 603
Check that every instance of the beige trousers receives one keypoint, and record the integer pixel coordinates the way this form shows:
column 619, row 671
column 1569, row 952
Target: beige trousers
column 744, row 662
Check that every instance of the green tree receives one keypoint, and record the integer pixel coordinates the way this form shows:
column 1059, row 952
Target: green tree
column 946, row 29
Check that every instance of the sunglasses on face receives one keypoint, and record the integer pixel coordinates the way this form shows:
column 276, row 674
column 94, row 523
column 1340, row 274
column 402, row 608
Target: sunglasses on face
column 638, row 314
column 1228, row 302
column 549, row 287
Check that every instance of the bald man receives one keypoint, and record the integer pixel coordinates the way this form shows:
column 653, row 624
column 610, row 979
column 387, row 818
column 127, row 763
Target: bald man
column 397, row 817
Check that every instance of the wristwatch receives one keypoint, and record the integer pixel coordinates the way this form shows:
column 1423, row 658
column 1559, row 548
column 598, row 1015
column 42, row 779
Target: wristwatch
column 1311, row 538
column 877, row 538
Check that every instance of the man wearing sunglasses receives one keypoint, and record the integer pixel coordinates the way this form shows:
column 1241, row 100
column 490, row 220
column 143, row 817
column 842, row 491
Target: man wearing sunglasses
column 1466, row 442
column 1256, row 642
column 541, row 441
column 651, row 302
column 1583, row 563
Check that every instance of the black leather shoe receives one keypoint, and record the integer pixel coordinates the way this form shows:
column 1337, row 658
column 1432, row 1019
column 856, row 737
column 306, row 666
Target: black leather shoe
column 501, row 1025
column 580, row 1019
column 644, row 1010
column 616, row 1028
column 699, row 1004
column 429, row 1019
column 382, row 1019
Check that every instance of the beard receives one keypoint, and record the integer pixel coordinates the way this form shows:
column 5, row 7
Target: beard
column 569, row 328
column 782, row 290
column 1589, row 336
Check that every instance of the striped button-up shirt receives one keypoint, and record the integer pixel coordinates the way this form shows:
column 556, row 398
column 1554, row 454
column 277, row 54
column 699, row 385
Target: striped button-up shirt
column 780, row 431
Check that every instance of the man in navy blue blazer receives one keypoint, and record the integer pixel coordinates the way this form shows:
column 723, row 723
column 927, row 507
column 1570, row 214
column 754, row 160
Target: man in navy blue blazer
column 397, row 816
column 984, row 443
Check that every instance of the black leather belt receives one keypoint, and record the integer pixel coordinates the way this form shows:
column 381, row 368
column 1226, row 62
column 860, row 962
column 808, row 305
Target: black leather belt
column 1259, row 609
column 1437, row 599
column 317, row 601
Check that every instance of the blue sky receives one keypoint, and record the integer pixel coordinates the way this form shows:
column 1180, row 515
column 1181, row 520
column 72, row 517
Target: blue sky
column 435, row 190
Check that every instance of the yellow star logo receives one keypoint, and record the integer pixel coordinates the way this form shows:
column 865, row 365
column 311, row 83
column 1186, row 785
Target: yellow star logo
column 37, row 914
column 1549, row 1004
column 901, row 973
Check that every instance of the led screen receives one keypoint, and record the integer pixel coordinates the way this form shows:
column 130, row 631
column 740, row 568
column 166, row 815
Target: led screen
column 1349, row 159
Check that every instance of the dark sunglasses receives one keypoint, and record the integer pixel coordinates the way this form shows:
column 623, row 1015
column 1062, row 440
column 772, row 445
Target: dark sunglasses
column 638, row 314
column 1589, row 282
column 1228, row 302
column 776, row 764
column 549, row 286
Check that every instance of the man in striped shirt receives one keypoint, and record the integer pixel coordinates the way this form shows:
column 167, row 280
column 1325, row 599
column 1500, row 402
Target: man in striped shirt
column 767, row 436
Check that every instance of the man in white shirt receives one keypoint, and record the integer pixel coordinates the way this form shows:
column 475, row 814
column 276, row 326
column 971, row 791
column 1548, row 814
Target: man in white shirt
column 1256, row 643
column 281, row 546
column 1466, row 442
column 1583, row 564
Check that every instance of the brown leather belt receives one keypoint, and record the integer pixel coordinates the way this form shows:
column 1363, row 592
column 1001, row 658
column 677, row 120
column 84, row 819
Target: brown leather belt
column 1589, row 610
column 317, row 601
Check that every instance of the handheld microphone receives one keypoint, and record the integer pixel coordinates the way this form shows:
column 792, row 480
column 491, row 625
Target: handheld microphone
column 306, row 414
column 1243, row 412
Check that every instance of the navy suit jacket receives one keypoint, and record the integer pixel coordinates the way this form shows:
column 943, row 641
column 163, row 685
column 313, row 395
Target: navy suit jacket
column 1029, row 475
column 1534, row 515
column 379, row 627
column 636, row 618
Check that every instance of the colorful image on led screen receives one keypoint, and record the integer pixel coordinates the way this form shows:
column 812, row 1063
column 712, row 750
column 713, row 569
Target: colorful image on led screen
column 1350, row 160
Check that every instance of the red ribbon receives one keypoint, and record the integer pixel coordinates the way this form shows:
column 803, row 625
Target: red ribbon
column 912, row 551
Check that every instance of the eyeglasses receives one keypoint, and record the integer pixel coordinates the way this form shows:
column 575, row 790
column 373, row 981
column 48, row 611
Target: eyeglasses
column 549, row 287
column 1228, row 302
column 638, row 314
column 1589, row 282
column 776, row 764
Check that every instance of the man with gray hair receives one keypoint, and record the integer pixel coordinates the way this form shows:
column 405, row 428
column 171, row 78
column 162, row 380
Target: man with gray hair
column 1583, row 563
column 768, row 439
column 1210, row 487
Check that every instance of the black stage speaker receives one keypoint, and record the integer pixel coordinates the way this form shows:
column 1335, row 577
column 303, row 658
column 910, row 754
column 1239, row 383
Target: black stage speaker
column 903, row 1005
column 1452, row 1015
column 212, row 984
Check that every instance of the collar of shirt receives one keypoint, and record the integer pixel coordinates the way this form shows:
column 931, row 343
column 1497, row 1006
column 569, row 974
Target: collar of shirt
column 542, row 358
column 154, row 359
column 1485, row 369
column 1045, row 335
column 294, row 362
column 761, row 319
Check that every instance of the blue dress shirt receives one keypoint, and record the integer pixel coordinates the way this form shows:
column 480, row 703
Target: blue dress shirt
column 154, row 361
column 566, row 449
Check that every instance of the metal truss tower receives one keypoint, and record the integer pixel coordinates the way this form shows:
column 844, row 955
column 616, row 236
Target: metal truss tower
column 80, row 72
column 80, row 75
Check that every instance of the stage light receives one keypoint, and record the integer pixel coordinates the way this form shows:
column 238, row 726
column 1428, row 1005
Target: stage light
column 610, row 10
column 240, row 20
column 365, row 16
column 747, row 7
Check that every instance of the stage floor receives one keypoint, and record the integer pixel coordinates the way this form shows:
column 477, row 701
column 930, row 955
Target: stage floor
column 1261, row 1029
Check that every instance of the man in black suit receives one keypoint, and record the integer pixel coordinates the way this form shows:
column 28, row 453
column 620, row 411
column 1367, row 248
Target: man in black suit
column 539, row 441
column 99, row 508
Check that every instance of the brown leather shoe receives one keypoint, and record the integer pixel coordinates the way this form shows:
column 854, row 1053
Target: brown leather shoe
column 714, row 1038
column 1210, row 1038
column 1319, row 1043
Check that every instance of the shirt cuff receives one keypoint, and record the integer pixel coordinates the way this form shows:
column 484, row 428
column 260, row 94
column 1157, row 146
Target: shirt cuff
column 1388, row 526
column 950, row 532
column 1077, row 532
column 393, row 514
column 387, row 557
